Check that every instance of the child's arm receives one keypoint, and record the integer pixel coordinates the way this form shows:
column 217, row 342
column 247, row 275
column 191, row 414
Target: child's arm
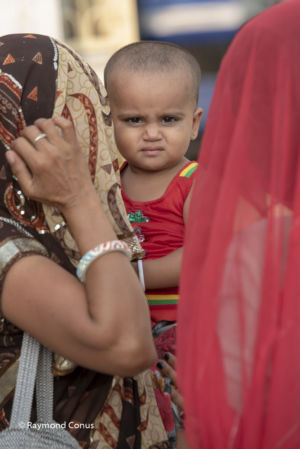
column 163, row 272
column 186, row 206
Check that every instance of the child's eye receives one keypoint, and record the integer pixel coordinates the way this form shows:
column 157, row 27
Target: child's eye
column 134, row 120
column 169, row 119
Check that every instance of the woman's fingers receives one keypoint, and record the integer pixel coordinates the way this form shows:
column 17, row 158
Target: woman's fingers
column 58, row 132
column 34, row 136
column 20, row 171
column 49, row 163
column 33, row 147
column 67, row 129
column 61, row 134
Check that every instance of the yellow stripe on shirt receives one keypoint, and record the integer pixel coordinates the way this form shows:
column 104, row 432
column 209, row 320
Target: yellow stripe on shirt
column 189, row 169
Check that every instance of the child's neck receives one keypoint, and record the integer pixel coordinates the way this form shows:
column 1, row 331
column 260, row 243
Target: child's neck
column 148, row 185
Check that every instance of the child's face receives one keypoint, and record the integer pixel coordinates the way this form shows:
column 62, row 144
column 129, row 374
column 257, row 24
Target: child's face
column 154, row 117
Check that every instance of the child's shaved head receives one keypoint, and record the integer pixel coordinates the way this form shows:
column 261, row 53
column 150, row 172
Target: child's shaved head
column 154, row 56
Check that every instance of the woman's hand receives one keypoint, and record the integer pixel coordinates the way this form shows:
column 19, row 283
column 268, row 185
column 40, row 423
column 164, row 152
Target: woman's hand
column 52, row 169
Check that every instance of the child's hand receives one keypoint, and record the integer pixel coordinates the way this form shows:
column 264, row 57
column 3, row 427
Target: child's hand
column 167, row 368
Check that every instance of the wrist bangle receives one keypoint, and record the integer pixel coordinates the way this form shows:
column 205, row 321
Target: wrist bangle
column 98, row 251
column 141, row 273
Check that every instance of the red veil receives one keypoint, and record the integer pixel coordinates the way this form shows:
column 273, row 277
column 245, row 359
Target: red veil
column 239, row 311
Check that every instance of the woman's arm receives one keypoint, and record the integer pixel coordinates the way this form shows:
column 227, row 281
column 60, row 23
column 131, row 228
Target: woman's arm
column 104, row 324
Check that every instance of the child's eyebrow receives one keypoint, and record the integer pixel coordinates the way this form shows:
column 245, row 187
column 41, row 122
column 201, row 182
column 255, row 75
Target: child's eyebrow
column 166, row 113
column 173, row 113
column 129, row 114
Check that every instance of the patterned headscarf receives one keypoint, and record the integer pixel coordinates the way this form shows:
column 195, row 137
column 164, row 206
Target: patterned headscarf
column 41, row 77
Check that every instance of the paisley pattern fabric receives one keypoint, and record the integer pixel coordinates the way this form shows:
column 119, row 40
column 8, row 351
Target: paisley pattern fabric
column 60, row 83
column 41, row 77
column 123, row 424
column 83, row 102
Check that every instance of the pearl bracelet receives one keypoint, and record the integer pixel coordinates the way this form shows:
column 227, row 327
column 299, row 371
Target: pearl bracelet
column 98, row 251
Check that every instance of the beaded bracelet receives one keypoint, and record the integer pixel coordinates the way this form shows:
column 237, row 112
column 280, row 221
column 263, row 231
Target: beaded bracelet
column 98, row 251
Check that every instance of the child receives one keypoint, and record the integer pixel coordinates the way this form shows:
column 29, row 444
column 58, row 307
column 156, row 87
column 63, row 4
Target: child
column 153, row 95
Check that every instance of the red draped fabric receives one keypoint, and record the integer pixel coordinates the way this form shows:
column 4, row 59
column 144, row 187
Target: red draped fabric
column 239, row 309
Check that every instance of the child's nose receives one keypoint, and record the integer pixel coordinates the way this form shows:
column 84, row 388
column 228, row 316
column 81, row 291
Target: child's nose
column 152, row 131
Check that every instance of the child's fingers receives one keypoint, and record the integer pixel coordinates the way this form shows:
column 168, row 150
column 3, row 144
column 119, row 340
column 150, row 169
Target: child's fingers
column 168, row 371
column 170, row 359
column 177, row 398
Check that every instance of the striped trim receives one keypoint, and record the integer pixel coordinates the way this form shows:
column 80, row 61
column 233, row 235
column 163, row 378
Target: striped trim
column 161, row 307
column 189, row 170
column 158, row 300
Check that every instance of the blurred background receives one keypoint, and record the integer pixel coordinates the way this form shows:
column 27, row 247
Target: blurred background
column 97, row 28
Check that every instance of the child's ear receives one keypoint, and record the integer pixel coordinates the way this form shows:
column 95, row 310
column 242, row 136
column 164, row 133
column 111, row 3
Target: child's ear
column 196, row 123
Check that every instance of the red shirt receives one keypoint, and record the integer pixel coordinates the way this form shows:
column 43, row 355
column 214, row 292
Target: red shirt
column 160, row 227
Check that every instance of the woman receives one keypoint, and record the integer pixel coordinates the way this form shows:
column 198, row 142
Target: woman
column 66, row 163
column 239, row 357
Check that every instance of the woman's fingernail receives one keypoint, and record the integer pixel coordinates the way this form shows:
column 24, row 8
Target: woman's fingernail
column 166, row 356
column 10, row 157
column 160, row 365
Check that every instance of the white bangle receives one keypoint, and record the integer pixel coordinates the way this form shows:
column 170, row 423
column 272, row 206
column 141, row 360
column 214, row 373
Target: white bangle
column 98, row 251
column 141, row 273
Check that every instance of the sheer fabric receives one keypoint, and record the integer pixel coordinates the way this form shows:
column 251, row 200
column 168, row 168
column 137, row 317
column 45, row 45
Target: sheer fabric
column 239, row 314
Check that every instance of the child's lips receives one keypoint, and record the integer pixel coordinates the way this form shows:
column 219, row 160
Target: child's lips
column 152, row 151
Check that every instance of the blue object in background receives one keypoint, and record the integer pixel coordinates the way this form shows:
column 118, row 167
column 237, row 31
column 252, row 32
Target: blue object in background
column 190, row 21
column 193, row 24
column 207, row 86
